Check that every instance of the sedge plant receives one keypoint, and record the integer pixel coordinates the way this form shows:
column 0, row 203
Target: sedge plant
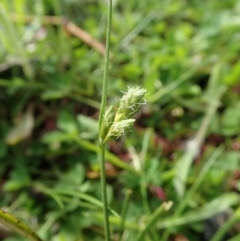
column 114, row 123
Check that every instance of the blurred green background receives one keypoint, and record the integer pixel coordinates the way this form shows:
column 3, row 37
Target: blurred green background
column 186, row 141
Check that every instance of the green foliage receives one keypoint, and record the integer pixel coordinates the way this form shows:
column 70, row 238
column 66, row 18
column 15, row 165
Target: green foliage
column 185, row 54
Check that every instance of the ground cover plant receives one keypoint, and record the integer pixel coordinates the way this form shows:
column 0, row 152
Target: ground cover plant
column 175, row 176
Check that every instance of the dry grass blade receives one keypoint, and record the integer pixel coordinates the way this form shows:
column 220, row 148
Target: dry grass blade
column 69, row 27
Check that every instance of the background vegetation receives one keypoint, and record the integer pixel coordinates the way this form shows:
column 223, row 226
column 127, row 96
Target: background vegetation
column 186, row 142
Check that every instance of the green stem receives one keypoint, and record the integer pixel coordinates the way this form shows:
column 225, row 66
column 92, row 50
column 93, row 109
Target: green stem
column 102, row 110
column 111, row 157
column 104, row 194
column 106, row 66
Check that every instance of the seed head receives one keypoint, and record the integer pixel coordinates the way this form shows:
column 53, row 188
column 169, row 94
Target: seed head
column 119, row 128
column 117, row 123
column 130, row 103
column 107, row 122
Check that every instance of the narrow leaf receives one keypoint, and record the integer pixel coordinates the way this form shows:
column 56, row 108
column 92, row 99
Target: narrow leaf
column 16, row 225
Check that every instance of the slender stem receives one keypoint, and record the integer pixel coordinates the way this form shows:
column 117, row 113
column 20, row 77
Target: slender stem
column 111, row 157
column 104, row 194
column 106, row 66
column 102, row 110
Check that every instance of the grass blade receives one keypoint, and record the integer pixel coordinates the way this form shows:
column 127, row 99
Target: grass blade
column 16, row 225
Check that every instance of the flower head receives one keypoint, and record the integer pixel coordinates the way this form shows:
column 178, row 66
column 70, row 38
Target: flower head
column 108, row 120
column 130, row 103
column 117, row 123
column 119, row 128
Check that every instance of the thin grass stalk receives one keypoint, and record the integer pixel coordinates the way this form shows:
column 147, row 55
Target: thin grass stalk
column 102, row 110
column 106, row 65
column 104, row 194
column 111, row 157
